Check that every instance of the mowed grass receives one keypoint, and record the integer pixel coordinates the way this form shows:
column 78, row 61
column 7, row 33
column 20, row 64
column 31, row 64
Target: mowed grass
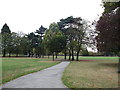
column 99, row 73
column 91, row 58
column 0, row 70
column 16, row 67
column 97, row 58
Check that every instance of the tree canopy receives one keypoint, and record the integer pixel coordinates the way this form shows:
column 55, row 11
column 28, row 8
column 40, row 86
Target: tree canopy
column 5, row 29
column 66, row 36
column 108, row 39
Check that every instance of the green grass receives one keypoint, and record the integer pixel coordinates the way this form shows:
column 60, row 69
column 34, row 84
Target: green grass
column 16, row 67
column 92, row 58
column 101, row 73
column 0, row 70
column 97, row 58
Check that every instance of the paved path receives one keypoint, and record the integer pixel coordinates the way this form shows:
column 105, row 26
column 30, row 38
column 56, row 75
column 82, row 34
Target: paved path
column 47, row 78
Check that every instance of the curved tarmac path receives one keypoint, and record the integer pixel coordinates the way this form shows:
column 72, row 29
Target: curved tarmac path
column 47, row 78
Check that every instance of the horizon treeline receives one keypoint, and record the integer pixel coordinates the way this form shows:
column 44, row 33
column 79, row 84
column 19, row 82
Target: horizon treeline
column 69, row 36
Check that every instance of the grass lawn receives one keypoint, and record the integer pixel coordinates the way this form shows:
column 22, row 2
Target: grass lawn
column 0, row 70
column 16, row 67
column 91, row 58
column 100, row 72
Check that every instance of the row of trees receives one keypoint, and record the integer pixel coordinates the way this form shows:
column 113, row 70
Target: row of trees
column 19, row 43
column 12, row 43
column 74, row 30
column 69, row 36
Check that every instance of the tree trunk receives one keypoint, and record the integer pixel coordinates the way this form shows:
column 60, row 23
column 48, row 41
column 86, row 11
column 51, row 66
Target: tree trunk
column 16, row 54
column 48, row 55
column 56, row 55
column 69, row 55
column 4, row 53
column 78, row 54
column 32, row 54
column 119, row 71
column 40, row 55
column 65, row 54
column 53, row 56
column 119, row 64
column 29, row 53
column 9, row 54
column 36, row 55
column 72, row 55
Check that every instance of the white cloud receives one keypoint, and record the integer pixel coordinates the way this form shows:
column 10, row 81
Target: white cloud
column 28, row 15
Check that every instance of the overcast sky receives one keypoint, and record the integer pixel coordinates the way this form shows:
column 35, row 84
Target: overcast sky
column 29, row 15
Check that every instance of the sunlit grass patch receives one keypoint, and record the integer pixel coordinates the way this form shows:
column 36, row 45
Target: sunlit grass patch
column 16, row 67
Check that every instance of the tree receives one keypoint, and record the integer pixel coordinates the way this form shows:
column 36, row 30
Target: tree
column 75, row 32
column 56, row 44
column 109, row 6
column 6, row 34
column 40, row 49
column 108, row 23
column 5, row 42
column 65, row 25
column 30, row 37
column 41, row 31
column 84, row 52
column 54, row 39
column 24, row 45
column 108, row 39
column 5, row 29
column 16, row 43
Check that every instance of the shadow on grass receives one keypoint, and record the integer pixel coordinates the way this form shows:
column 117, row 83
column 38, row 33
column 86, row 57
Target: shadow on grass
column 115, row 65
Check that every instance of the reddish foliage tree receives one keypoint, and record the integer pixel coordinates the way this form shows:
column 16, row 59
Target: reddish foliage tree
column 108, row 28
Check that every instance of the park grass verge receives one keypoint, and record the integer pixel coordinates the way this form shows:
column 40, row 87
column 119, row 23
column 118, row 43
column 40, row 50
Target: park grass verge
column 91, row 74
column 92, row 57
column 15, row 67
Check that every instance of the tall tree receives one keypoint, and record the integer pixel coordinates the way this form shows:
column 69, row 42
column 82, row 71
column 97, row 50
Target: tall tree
column 109, row 6
column 31, row 38
column 75, row 31
column 40, row 45
column 108, row 28
column 16, row 43
column 5, row 29
column 108, row 32
column 6, row 34
column 41, row 31
column 65, row 25
column 24, row 45
column 55, row 39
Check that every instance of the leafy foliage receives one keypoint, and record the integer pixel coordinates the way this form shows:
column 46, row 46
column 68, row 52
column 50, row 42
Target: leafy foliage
column 68, row 35
column 75, row 31
column 5, row 29
column 108, row 39
column 54, row 39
